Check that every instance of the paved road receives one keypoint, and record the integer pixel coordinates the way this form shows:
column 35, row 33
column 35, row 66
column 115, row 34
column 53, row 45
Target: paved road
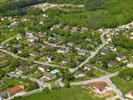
column 92, row 54
column 106, row 79
column 25, row 59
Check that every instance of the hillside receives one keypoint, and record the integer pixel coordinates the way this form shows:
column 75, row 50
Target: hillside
column 98, row 13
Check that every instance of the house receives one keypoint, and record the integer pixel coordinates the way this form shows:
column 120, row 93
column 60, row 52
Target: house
column 100, row 87
column 88, row 67
column 82, row 52
column 22, row 69
column 84, row 29
column 56, row 26
column 1, row 98
column 2, row 55
column 48, row 76
column 65, row 60
column 63, row 50
column 52, row 38
column 14, row 90
column 97, row 59
column 3, row 95
column 1, row 81
column 120, row 57
column 70, row 44
column 49, row 58
column 34, row 53
column 19, row 37
column 75, row 29
column 88, row 39
column 111, row 63
column 104, row 51
column 101, row 30
column 130, row 65
column 129, row 95
column 79, row 74
column 42, row 68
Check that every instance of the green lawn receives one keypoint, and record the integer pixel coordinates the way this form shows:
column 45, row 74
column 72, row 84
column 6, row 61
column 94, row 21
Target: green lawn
column 73, row 93
column 122, row 84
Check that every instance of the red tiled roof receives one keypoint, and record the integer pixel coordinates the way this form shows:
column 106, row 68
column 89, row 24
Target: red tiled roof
column 14, row 89
column 100, row 85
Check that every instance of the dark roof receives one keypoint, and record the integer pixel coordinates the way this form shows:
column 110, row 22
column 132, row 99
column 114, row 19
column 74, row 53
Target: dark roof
column 23, row 68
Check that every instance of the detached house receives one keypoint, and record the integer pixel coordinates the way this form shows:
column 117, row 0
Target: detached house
column 129, row 95
column 19, row 37
column 88, row 67
column 48, row 76
column 63, row 50
column 120, row 57
column 100, row 87
column 111, row 63
column 14, row 90
column 79, row 74
column 104, row 51
column 22, row 69
column 49, row 58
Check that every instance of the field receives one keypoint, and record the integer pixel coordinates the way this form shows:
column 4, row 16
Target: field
column 122, row 84
column 73, row 93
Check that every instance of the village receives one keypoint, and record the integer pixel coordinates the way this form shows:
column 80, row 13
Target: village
column 63, row 56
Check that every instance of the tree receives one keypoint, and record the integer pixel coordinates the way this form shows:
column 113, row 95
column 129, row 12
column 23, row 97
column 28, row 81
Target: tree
column 67, row 84
column 126, row 73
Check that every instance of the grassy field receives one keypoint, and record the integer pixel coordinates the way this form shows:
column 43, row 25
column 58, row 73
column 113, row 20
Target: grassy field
column 73, row 93
column 115, row 13
column 122, row 84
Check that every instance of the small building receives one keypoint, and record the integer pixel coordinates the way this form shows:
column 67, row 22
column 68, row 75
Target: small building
column 129, row 95
column 19, row 37
column 111, row 63
column 34, row 53
column 88, row 67
column 75, row 29
column 120, row 57
column 82, row 52
column 1, row 81
column 79, row 74
column 14, row 90
column 130, row 65
column 2, row 55
column 97, row 59
column 104, row 51
column 49, row 58
column 100, row 87
column 42, row 68
column 48, row 76
column 65, row 60
column 84, row 29
column 56, row 26
column 88, row 39
column 22, row 69
column 62, row 50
